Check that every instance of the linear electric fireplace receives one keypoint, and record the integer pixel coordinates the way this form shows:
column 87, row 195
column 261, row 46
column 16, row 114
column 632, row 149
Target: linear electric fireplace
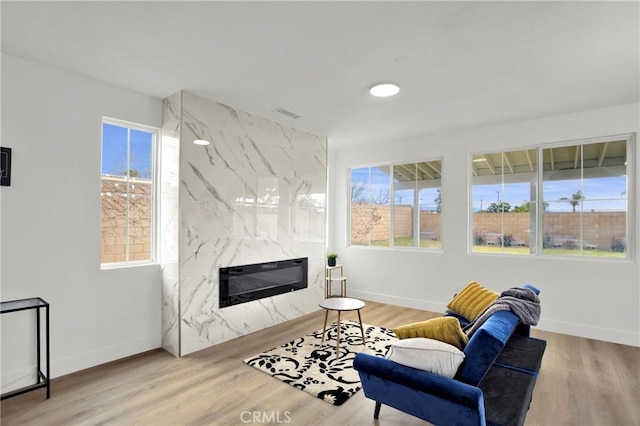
column 240, row 284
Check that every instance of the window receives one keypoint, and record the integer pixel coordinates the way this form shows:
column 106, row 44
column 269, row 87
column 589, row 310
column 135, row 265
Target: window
column 401, row 200
column 370, row 206
column 127, row 193
column 504, row 202
column 583, row 192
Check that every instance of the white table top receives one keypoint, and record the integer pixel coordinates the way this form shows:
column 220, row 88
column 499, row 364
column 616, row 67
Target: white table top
column 342, row 304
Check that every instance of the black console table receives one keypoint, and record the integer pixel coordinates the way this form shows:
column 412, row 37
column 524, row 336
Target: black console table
column 36, row 303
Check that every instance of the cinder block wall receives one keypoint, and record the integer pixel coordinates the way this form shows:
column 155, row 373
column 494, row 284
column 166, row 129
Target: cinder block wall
column 115, row 218
column 372, row 222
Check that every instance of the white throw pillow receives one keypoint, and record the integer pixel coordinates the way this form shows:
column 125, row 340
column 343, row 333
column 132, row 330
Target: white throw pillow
column 427, row 354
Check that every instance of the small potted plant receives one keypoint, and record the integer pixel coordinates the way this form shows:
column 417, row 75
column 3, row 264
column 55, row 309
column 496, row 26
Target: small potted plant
column 331, row 258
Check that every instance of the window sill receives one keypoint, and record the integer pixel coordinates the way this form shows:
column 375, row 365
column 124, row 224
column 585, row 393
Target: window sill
column 555, row 257
column 122, row 265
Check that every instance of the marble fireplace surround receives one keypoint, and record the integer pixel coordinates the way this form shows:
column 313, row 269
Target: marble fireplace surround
column 255, row 194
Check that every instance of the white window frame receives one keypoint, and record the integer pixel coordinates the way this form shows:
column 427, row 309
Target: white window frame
column 535, row 247
column 416, row 215
column 348, row 230
column 631, row 214
column 155, row 190
column 629, row 138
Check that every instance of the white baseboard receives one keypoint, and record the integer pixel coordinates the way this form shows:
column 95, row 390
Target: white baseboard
column 590, row 332
column 425, row 305
column 86, row 360
column 16, row 379
column 580, row 330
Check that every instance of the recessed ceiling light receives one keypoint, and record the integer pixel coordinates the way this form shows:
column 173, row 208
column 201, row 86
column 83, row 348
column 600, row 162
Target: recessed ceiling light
column 201, row 142
column 383, row 90
column 479, row 160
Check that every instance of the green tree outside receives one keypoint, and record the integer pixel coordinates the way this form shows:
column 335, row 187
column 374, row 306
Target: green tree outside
column 575, row 199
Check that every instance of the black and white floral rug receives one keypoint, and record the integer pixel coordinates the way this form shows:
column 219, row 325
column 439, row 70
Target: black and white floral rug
column 314, row 368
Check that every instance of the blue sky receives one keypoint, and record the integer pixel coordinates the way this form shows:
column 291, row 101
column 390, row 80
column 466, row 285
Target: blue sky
column 379, row 181
column 114, row 150
column 600, row 194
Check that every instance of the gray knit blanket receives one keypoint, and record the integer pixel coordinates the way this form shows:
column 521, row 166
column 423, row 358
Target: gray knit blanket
column 521, row 301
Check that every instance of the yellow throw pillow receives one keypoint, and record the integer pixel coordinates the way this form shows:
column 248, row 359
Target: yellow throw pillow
column 472, row 300
column 444, row 329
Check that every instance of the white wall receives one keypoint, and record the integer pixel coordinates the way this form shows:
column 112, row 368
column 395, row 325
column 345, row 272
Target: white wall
column 589, row 298
column 50, row 224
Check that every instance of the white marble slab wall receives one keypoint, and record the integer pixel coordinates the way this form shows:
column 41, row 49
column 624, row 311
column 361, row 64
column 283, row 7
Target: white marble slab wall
column 170, row 222
column 256, row 194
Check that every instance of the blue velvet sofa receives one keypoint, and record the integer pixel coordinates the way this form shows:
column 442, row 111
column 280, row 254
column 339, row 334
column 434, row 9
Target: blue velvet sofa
column 493, row 385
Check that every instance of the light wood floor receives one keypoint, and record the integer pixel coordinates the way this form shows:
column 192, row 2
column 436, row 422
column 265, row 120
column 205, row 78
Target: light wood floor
column 582, row 382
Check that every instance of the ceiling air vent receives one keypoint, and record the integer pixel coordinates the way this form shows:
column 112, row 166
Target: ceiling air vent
column 287, row 113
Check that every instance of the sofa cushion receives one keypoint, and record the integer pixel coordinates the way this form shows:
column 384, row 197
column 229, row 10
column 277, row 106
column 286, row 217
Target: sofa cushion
column 523, row 353
column 485, row 345
column 506, row 408
column 427, row 354
column 472, row 300
column 445, row 329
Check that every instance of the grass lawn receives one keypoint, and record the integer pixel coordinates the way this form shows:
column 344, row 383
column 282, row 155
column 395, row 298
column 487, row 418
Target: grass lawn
column 548, row 251
column 498, row 249
column 404, row 242
column 424, row 243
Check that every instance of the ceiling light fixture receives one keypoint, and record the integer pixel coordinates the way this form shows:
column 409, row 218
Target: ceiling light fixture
column 201, row 142
column 479, row 160
column 382, row 90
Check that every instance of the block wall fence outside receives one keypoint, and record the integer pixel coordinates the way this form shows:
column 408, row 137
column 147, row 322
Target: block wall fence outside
column 403, row 221
column 431, row 222
column 373, row 222
column 599, row 228
column 114, row 220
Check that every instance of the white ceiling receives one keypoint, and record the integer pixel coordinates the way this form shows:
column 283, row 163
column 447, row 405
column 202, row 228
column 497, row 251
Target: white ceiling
column 459, row 64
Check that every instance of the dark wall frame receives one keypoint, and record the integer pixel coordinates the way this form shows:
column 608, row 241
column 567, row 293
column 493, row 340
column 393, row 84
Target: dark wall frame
column 5, row 166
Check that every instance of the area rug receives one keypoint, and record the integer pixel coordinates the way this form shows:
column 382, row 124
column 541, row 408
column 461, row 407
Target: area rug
column 306, row 364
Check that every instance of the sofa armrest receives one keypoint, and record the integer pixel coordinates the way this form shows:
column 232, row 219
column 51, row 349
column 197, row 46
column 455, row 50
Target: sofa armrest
column 431, row 397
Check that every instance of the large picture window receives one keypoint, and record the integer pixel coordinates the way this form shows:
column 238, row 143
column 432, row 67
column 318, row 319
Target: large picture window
column 127, row 193
column 563, row 200
column 397, row 205
column 585, row 187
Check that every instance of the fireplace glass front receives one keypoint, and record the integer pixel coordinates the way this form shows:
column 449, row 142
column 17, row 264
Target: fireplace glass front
column 244, row 283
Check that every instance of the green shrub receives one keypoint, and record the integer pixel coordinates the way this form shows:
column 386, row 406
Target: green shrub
column 617, row 245
column 506, row 240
